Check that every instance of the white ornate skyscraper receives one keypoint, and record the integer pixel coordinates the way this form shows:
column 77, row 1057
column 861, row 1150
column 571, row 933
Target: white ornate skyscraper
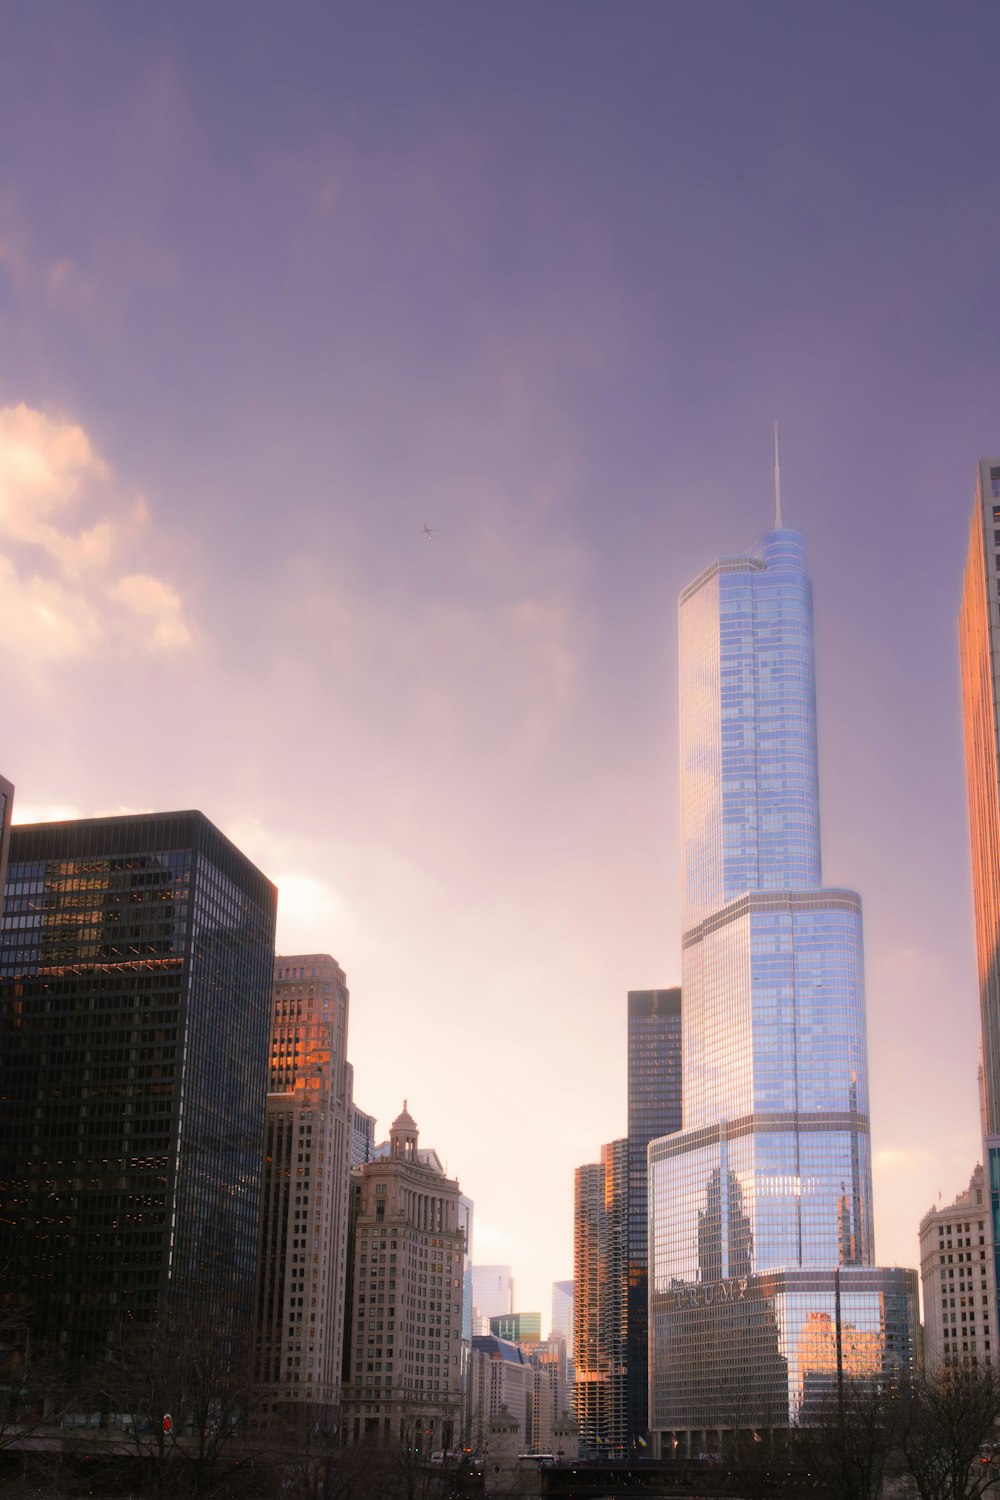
column 762, row 1282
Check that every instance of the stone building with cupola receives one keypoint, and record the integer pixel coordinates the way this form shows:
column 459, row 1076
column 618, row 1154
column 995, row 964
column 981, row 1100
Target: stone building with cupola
column 403, row 1371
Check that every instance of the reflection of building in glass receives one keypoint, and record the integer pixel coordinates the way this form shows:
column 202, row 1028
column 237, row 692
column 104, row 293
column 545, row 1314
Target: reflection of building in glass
column 956, row 1277
column 760, row 1207
column 6, row 808
column 303, row 1224
column 135, row 988
column 724, row 1233
column 654, row 1109
column 403, row 1375
column 600, row 1301
column 859, row 1357
column 979, row 638
column 492, row 1294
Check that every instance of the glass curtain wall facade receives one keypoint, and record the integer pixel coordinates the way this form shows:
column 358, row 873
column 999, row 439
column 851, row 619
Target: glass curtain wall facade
column 517, row 1328
column 761, row 1206
column 979, row 643
column 135, row 980
column 654, row 1109
column 562, row 1326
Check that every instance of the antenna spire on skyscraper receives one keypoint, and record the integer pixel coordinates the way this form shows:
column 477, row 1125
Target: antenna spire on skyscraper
column 777, row 483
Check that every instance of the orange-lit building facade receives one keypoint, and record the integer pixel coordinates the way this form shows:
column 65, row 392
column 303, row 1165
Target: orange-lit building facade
column 979, row 642
column 308, row 1131
column 600, row 1310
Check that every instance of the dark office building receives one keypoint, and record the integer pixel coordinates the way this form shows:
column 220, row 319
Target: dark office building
column 654, row 1109
column 6, row 806
column 136, row 958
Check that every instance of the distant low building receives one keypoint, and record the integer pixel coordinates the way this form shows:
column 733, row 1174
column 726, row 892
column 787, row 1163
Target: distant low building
column 955, row 1280
column 500, row 1375
column 519, row 1328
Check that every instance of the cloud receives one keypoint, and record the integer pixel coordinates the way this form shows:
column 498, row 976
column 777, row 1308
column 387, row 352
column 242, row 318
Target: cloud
column 156, row 601
column 29, row 812
column 59, row 284
column 901, row 1159
column 312, row 916
column 66, row 537
column 42, row 620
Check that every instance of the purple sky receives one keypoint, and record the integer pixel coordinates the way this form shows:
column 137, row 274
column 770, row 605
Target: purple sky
column 279, row 283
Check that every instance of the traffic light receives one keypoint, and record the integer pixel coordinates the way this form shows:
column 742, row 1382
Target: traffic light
column 168, row 1424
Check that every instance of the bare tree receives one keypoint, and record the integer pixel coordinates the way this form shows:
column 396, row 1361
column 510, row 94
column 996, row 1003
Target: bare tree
column 179, row 1392
column 851, row 1437
column 949, row 1418
column 33, row 1380
column 307, row 1450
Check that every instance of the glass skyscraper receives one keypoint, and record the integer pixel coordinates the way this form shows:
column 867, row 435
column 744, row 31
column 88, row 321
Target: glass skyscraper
column 654, row 1109
column 979, row 639
column 763, row 1278
column 135, row 1006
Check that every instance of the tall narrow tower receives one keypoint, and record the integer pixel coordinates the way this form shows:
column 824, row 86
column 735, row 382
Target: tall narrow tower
column 654, row 1109
column 6, row 808
column 762, row 1280
column 308, row 1128
column 979, row 640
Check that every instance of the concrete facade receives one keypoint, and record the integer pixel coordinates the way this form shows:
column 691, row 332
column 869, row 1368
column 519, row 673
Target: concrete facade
column 955, row 1280
column 302, row 1250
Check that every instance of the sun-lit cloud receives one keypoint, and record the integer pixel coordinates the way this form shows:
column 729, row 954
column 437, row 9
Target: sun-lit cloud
column 40, row 812
column 42, row 620
column 157, row 602
column 67, row 535
column 30, row 812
